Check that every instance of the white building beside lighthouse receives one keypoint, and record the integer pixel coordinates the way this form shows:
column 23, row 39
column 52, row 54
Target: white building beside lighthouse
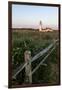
column 44, row 30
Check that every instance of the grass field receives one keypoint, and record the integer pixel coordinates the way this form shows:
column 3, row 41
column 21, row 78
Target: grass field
column 35, row 41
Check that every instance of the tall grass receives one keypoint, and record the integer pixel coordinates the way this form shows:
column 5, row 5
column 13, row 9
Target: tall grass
column 35, row 42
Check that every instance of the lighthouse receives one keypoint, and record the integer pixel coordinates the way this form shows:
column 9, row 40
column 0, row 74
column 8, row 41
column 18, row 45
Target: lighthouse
column 40, row 26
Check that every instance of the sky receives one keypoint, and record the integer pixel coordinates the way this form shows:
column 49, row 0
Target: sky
column 29, row 16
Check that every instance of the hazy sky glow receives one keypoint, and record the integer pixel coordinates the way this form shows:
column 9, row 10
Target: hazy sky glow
column 29, row 16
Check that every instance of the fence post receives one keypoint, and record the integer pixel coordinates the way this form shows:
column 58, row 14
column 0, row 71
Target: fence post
column 27, row 57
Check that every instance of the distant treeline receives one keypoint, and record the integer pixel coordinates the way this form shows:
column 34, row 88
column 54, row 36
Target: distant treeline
column 24, row 29
column 29, row 29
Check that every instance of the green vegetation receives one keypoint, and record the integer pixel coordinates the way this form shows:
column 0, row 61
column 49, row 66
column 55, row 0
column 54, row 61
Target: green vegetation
column 35, row 42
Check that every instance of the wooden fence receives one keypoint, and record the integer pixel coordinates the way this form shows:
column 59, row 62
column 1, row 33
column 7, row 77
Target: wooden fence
column 29, row 60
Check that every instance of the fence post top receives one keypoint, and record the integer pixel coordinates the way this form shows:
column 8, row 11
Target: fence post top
column 27, row 52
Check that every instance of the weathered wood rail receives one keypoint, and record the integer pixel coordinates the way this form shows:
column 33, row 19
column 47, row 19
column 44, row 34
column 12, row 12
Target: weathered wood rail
column 44, row 51
column 29, row 60
column 42, row 62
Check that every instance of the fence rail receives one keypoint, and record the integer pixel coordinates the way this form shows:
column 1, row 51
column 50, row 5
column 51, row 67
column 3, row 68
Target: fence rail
column 44, row 51
column 41, row 63
column 18, row 70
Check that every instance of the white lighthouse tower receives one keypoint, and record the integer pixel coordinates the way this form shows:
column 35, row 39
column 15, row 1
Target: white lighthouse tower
column 40, row 26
